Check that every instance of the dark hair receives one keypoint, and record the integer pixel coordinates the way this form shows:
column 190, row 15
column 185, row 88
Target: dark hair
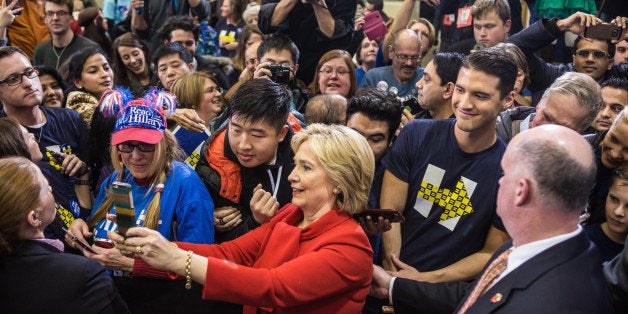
column 77, row 61
column 495, row 62
column 261, row 100
column 378, row 5
column 11, row 140
column 359, row 51
column 610, row 46
column 69, row 3
column 447, row 66
column 122, row 75
column 170, row 49
column 46, row 70
column 8, row 51
column 278, row 42
column 557, row 174
column 237, row 8
column 616, row 82
column 182, row 22
column 377, row 105
column 94, row 31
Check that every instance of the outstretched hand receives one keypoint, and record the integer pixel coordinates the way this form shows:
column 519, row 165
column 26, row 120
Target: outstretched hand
column 148, row 245
column 407, row 271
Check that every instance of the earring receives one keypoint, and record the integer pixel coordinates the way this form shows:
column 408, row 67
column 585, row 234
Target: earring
column 38, row 222
column 335, row 191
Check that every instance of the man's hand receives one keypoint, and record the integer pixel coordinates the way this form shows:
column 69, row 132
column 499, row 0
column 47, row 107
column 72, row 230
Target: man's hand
column 577, row 22
column 623, row 23
column 380, row 283
column 71, row 164
column 263, row 205
column 407, row 271
column 374, row 228
column 262, row 70
column 226, row 218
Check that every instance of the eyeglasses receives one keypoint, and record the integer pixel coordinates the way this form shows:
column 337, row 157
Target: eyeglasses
column 142, row 147
column 597, row 54
column 15, row 79
column 213, row 89
column 59, row 14
column 405, row 58
column 329, row 71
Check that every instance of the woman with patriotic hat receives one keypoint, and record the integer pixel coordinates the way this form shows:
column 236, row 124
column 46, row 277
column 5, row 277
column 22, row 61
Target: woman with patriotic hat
column 168, row 195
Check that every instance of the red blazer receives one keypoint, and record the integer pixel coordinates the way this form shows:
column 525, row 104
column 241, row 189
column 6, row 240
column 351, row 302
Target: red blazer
column 278, row 267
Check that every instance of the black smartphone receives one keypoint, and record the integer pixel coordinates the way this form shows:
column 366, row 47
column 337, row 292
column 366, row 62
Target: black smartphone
column 412, row 105
column 603, row 31
column 16, row 6
column 104, row 243
column 390, row 214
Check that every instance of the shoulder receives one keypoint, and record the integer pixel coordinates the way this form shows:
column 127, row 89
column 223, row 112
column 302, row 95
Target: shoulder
column 60, row 114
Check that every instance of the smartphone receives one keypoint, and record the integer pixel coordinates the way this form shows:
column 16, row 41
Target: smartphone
column 104, row 243
column 80, row 242
column 374, row 25
column 123, row 201
column 603, row 31
column 390, row 214
column 16, row 6
column 412, row 105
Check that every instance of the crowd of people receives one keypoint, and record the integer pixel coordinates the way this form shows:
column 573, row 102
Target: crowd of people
column 221, row 156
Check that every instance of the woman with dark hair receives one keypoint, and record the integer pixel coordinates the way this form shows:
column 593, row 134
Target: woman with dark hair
column 131, row 64
column 95, row 28
column 52, row 87
column 335, row 74
column 90, row 75
column 365, row 55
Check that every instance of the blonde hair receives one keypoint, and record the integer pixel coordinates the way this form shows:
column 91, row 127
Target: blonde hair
column 19, row 194
column 346, row 158
column 166, row 151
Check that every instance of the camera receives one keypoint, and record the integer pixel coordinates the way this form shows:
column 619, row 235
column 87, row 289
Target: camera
column 280, row 73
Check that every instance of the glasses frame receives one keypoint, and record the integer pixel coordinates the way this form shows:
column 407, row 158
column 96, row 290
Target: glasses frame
column 597, row 54
column 60, row 14
column 329, row 71
column 16, row 79
column 404, row 58
column 142, row 147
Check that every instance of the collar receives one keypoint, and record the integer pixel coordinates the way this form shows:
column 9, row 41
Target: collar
column 523, row 253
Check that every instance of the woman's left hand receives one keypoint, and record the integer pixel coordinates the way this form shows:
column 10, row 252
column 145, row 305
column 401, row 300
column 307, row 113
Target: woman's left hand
column 110, row 258
column 148, row 245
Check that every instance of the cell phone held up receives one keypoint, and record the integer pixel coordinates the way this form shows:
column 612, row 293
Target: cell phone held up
column 603, row 31
column 390, row 214
column 123, row 202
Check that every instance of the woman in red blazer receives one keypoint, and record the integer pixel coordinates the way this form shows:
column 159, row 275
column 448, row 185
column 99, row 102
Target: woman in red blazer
column 311, row 257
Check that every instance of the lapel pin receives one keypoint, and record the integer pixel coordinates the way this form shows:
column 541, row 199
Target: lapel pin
column 496, row 298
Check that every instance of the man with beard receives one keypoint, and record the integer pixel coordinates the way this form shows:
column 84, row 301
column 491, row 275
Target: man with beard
column 400, row 77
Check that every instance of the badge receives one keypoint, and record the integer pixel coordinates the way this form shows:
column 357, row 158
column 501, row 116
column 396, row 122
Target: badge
column 464, row 17
column 449, row 19
column 496, row 298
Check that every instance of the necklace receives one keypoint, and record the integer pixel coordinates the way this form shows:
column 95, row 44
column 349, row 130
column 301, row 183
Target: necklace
column 54, row 50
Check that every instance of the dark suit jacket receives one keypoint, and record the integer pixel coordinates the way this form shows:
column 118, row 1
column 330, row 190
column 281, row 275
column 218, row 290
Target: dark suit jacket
column 566, row 278
column 616, row 273
column 37, row 278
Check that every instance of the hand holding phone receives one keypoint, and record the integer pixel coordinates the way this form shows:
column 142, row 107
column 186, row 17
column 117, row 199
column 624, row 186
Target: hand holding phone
column 80, row 242
column 390, row 214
